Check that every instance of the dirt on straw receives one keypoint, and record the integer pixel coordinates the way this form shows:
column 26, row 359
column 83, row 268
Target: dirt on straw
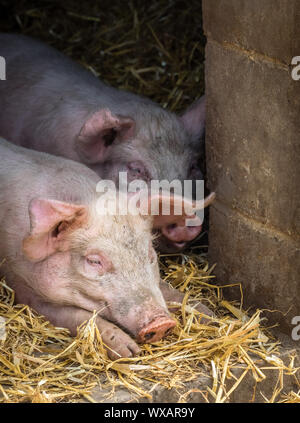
column 41, row 363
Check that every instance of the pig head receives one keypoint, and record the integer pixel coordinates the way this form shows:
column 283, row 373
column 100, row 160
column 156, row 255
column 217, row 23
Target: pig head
column 65, row 258
column 109, row 261
column 80, row 262
column 51, row 104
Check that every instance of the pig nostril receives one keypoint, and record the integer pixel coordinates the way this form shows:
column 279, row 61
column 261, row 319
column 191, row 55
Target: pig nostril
column 149, row 336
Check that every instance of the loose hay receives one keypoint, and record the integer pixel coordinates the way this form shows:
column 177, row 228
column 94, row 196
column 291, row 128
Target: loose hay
column 156, row 49
column 151, row 48
column 41, row 363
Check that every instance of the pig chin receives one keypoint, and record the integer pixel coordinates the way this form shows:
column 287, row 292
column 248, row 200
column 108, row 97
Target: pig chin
column 165, row 245
column 174, row 238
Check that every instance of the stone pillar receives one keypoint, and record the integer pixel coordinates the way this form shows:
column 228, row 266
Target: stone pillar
column 253, row 150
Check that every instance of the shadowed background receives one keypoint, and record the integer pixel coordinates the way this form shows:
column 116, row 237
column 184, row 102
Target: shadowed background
column 152, row 48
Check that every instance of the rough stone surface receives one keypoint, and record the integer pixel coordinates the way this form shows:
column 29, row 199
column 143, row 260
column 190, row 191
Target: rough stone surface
column 266, row 263
column 253, row 154
column 269, row 27
column 252, row 140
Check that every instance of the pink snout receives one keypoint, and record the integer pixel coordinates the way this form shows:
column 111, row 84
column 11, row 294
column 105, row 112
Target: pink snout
column 156, row 330
column 180, row 235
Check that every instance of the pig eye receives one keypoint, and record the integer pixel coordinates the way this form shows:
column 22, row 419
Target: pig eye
column 94, row 260
column 97, row 263
column 138, row 171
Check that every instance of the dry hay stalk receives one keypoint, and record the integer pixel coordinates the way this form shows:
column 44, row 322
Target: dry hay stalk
column 41, row 363
column 152, row 48
column 157, row 49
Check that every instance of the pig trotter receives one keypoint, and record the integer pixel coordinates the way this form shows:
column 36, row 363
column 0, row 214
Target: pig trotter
column 118, row 342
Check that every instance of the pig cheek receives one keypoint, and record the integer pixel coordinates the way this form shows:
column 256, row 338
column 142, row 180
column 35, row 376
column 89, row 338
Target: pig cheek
column 51, row 278
column 91, row 271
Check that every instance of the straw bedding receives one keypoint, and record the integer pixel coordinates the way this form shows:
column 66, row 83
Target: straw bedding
column 156, row 49
column 41, row 363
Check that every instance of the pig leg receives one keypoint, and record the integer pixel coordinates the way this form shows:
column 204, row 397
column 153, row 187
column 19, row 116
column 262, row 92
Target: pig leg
column 72, row 317
column 120, row 343
column 173, row 295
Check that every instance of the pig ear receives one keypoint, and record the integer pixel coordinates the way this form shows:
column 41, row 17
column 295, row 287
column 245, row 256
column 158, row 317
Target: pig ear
column 100, row 131
column 194, row 119
column 50, row 221
column 177, row 203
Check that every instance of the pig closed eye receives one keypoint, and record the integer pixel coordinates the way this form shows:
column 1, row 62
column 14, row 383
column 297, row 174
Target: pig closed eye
column 98, row 263
column 95, row 261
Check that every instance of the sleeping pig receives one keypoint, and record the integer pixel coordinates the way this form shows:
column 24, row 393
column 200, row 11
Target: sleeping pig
column 65, row 259
column 51, row 104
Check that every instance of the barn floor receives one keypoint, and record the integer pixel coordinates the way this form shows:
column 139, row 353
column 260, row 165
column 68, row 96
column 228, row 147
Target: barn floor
column 196, row 391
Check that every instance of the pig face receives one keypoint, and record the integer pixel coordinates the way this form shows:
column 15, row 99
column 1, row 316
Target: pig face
column 158, row 145
column 153, row 144
column 104, row 263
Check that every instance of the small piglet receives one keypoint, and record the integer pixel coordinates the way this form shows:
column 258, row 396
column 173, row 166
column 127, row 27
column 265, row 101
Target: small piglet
column 65, row 259
column 51, row 104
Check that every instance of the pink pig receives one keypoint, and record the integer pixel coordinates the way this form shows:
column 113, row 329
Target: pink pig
column 51, row 104
column 66, row 260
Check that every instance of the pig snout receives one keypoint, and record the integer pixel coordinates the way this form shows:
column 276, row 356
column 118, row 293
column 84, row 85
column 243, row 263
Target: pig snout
column 180, row 235
column 156, row 329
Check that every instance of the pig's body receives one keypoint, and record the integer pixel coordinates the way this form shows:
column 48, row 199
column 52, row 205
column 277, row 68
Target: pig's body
column 47, row 98
column 46, row 265
column 51, row 104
